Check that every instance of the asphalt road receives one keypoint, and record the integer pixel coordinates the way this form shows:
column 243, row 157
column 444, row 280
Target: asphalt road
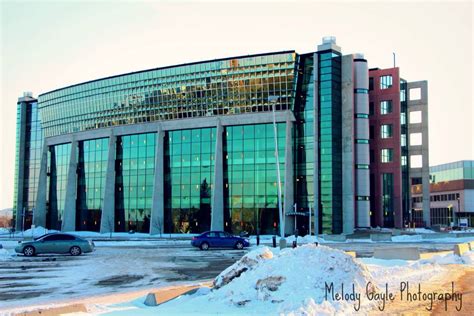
column 126, row 266
column 119, row 268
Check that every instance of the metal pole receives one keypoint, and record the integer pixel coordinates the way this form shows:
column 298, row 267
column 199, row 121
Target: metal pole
column 280, row 209
column 310, row 219
column 23, row 220
column 294, row 206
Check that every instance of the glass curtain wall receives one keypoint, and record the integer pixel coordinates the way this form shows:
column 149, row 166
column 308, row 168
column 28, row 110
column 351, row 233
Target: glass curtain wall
column 330, row 133
column 220, row 87
column 189, row 172
column 91, row 171
column 404, row 153
column 33, row 143
column 135, row 170
column 304, row 136
column 58, row 165
column 387, row 199
column 250, row 178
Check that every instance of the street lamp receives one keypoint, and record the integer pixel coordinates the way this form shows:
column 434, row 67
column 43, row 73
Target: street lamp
column 273, row 100
column 459, row 207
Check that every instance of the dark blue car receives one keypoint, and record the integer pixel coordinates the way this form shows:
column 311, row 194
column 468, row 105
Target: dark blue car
column 218, row 239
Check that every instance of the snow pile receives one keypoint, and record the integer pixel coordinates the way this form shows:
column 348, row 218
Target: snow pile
column 247, row 262
column 38, row 231
column 407, row 238
column 293, row 281
column 466, row 258
column 5, row 255
column 4, row 230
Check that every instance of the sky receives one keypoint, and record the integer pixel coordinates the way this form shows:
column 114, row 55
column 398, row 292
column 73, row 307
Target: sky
column 47, row 45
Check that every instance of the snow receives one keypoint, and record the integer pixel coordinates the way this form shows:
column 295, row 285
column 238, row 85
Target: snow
column 4, row 230
column 290, row 282
column 5, row 255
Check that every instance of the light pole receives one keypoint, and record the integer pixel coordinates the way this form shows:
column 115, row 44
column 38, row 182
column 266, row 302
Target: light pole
column 459, row 207
column 273, row 100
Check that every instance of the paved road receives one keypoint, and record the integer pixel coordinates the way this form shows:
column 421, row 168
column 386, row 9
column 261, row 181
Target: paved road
column 47, row 278
column 126, row 266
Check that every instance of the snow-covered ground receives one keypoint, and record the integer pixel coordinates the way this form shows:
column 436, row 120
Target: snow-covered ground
column 114, row 267
column 302, row 281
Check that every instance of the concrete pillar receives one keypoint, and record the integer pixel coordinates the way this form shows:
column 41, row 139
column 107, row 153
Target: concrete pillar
column 158, row 204
column 107, row 220
column 217, row 202
column 69, row 217
column 315, row 207
column 362, row 151
column 39, row 214
column 289, row 199
column 348, row 198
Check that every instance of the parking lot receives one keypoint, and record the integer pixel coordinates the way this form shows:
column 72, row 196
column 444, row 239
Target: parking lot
column 114, row 267
column 123, row 266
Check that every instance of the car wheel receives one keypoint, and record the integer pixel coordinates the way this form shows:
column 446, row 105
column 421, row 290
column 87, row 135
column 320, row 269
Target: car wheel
column 29, row 251
column 75, row 251
column 204, row 246
column 239, row 245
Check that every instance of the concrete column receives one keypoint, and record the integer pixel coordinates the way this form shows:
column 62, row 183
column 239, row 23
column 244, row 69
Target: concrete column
column 362, row 151
column 39, row 214
column 348, row 198
column 107, row 220
column 158, row 204
column 289, row 198
column 315, row 207
column 217, row 202
column 69, row 219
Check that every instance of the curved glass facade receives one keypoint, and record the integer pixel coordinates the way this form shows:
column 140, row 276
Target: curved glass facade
column 190, row 148
column 221, row 87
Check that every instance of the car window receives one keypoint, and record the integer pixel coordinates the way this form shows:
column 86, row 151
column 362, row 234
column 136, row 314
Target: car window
column 223, row 235
column 51, row 238
column 212, row 235
column 66, row 237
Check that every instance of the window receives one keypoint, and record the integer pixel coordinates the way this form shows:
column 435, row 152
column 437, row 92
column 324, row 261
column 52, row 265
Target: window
column 415, row 117
column 386, row 131
column 386, row 82
column 403, row 118
column 371, row 108
column 415, row 94
column 387, row 155
column 416, row 139
column 403, row 140
column 371, row 83
column 386, row 107
column 416, row 161
column 404, row 160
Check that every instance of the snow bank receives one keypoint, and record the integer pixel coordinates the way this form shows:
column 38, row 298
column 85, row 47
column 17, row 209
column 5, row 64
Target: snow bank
column 5, row 255
column 37, row 231
column 4, row 230
column 407, row 238
column 292, row 281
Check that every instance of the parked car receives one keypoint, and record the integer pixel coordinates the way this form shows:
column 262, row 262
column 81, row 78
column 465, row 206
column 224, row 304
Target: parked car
column 219, row 239
column 55, row 243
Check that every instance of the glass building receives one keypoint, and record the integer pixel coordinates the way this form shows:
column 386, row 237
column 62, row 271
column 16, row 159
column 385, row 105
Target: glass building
column 193, row 147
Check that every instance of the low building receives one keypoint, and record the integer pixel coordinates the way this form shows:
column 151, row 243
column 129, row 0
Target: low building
column 452, row 194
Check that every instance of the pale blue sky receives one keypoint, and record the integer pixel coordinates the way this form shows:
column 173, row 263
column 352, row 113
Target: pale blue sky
column 46, row 45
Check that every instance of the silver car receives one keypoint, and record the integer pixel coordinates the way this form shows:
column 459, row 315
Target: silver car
column 55, row 243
